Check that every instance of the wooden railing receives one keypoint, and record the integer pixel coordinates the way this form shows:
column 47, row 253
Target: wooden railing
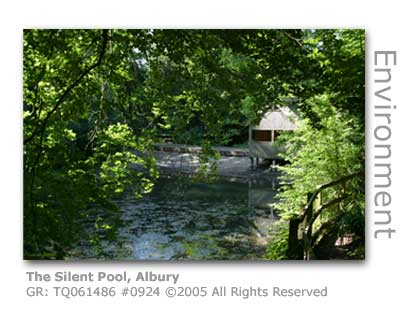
column 301, row 240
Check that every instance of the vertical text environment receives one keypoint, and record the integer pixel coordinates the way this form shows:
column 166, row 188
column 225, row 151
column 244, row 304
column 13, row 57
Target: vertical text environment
column 383, row 108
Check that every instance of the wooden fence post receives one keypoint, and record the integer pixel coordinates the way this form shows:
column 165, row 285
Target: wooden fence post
column 294, row 247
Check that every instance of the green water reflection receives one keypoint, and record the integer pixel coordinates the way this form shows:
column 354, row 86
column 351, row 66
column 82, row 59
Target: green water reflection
column 188, row 220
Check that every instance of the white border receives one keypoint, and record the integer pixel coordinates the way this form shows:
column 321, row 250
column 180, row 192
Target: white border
column 375, row 289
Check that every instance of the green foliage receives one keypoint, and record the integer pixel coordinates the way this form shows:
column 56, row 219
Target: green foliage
column 95, row 101
column 340, row 59
column 318, row 153
column 199, row 90
column 278, row 245
column 82, row 132
column 116, row 152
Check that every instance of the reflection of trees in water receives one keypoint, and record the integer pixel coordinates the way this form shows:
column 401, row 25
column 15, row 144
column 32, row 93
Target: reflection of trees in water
column 185, row 220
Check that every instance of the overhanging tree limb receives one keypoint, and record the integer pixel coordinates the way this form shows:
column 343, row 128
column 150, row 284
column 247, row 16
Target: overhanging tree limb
column 67, row 91
column 42, row 127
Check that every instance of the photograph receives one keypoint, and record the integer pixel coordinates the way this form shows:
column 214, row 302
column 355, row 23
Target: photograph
column 193, row 144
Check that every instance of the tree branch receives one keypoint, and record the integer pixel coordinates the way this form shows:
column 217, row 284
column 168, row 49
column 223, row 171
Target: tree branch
column 298, row 41
column 71, row 87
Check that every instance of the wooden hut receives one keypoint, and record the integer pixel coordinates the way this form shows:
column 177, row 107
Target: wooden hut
column 263, row 135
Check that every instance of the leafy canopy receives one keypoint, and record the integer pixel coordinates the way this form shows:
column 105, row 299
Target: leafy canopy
column 95, row 101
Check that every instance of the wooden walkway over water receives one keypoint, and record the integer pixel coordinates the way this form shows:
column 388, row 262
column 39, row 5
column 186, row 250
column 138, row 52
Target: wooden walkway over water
column 234, row 164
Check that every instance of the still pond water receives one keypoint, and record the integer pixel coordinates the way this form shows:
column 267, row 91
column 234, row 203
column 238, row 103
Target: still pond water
column 186, row 220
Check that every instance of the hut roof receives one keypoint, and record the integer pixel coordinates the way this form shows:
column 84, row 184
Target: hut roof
column 278, row 118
